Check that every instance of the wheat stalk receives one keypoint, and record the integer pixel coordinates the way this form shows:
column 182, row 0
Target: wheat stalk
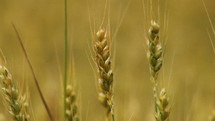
column 104, row 71
column 71, row 107
column 17, row 103
column 154, row 55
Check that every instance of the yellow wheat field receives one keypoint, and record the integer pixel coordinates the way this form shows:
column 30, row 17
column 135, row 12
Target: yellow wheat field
column 187, row 74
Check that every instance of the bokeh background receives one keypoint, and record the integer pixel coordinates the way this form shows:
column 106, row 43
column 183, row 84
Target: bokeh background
column 188, row 72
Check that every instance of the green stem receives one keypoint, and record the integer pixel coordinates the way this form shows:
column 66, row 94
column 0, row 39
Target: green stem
column 65, row 56
column 113, row 117
column 155, row 93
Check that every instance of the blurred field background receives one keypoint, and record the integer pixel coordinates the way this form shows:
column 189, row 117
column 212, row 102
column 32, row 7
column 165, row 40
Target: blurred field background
column 188, row 72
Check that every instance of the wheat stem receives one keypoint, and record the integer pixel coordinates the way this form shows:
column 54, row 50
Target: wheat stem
column 113, row 117
column 66, row 55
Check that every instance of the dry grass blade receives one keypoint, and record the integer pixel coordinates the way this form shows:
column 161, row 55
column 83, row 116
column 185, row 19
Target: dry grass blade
column 155, row 53
column 104, row 70
column 17, row 103
column 34, row 75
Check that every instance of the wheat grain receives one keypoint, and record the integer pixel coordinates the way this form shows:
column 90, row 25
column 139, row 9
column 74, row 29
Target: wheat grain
column 17, row 103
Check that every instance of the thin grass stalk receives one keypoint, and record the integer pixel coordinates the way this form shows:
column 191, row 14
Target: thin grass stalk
column 65, row 55
column 16, row 103
column 33, row 73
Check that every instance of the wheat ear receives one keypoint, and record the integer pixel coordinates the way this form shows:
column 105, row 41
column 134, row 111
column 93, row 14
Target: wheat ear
column 104, row 71
column 71, row 107
column 154, row 54
column 17, row 103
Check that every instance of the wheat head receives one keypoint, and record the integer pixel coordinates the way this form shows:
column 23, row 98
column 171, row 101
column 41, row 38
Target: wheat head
column 155, row 53
column 104, row 70
column 71, row 107
column 16, row 103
